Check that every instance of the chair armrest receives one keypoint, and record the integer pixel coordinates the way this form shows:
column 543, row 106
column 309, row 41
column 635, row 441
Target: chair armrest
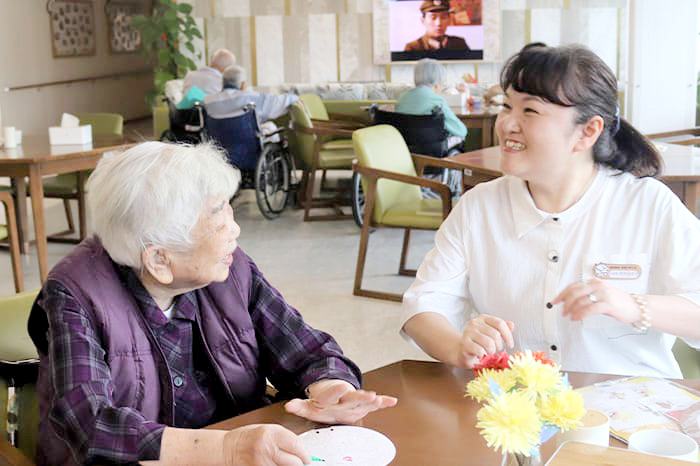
column 422, row 161
column 338, row 124
column 690, row 131
column 375, row 174
column 347, row 119
column 324, row 130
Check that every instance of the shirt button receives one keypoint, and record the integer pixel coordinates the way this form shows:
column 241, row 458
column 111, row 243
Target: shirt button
column 553, row 347
column 553, row 256
column 177, row 381
column 556, row 219
column 549, row 306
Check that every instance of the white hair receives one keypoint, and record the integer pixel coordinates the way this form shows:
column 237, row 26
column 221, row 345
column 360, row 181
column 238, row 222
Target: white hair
column 428, row 72
column 153, row 194
column 234, row 76
column 222, row 59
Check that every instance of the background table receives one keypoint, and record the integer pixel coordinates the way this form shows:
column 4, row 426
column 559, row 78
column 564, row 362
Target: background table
column 478, row 119
column 36, row 158
column 681, row 170
column 431, row 424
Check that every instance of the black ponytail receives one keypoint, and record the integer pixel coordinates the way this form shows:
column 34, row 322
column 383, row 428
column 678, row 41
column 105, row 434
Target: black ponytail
column 629, row 151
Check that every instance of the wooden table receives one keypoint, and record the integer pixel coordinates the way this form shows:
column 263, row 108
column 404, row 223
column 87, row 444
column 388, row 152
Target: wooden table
column 433, row 424
column 681, row 170
column 478, row 119
column 36, row 158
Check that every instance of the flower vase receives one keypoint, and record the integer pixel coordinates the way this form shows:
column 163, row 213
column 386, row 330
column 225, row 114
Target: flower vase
column 517, row 459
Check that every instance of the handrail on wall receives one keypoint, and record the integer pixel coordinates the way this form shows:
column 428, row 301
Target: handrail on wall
column 77, row 80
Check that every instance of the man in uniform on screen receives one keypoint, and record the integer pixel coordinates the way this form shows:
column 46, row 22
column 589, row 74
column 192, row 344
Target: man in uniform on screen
column 436, row 17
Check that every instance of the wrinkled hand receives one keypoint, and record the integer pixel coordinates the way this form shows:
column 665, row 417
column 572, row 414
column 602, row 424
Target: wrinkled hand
column 336, row 401
column 586, row 299
column 264, row 445
column 483, row 335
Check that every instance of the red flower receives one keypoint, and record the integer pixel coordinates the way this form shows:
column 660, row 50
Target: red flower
column 164, row 37
column 540, row 356
column 497, row 361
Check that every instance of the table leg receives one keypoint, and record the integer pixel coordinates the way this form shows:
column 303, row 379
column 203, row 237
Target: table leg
column 19, row 188
column 36, row 191
column 691, row 191
column 487, row 133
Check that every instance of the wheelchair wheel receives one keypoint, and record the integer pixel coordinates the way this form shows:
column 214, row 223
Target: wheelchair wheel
column 358, row 200
column 272, row 181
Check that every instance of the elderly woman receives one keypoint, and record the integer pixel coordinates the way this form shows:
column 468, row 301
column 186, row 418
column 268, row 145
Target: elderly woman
column 429, row 77
column 578, row 250
column 159, row 325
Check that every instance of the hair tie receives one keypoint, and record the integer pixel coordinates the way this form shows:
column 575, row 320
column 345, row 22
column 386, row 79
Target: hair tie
column 617, row 120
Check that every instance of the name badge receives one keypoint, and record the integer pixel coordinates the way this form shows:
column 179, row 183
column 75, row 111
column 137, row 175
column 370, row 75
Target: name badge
column 617, row 271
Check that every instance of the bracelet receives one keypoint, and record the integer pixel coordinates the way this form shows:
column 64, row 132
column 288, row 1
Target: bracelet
column 644, row 322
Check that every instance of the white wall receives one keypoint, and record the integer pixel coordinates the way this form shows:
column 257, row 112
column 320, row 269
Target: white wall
column 26, row 58
column 663, row 71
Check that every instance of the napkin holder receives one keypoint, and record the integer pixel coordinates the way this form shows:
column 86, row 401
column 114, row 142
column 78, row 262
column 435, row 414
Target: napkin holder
column 59, row 135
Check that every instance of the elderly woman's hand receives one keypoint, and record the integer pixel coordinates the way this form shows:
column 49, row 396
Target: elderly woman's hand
column 483, row 335
column 336, row 401
column 264, row 445
column 586, row 299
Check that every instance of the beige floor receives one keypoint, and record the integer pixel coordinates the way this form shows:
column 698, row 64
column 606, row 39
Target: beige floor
column 313, row 265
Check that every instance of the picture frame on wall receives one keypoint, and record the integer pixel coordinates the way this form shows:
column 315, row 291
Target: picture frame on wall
column 72, row 27
column 122, row 37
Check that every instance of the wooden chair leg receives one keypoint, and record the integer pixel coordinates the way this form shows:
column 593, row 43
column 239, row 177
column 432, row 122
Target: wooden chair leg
column 69, row 216
column 13, row 234
column 82, row 218
column 404, row 254
column 309, row 196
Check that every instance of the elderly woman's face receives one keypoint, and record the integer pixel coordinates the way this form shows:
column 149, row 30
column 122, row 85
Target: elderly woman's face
column 214, row 237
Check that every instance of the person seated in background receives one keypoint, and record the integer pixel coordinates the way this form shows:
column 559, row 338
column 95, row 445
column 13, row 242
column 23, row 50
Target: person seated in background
column 208, row 78
column 436, row 18
column 235, row 95
column 429, row 77
column 577, row 250
column 160, row 324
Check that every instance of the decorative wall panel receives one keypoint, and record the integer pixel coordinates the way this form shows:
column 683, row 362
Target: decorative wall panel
column 72, row 27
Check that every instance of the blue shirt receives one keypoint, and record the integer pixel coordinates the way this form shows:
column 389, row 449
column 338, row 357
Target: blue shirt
column 422, row 100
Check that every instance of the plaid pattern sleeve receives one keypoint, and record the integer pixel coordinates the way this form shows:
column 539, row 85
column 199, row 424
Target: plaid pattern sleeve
column 295, row 353
column 82, row 410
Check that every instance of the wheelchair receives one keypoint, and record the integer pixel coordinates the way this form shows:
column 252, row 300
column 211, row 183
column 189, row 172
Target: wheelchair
column 186, row 125
column 424, row 134
column 263, row 159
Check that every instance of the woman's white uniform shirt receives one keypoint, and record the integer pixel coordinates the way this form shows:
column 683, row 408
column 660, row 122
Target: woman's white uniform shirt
column 498, row 254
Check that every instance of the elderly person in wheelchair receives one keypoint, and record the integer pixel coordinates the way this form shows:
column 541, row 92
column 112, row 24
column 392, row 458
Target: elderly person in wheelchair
column 160, row 324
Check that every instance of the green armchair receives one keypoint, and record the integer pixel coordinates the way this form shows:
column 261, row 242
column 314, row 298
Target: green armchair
column 392, row 186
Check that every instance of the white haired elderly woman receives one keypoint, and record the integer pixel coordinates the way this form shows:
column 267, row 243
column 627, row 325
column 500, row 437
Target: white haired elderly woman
column 159, row 325
column 429, row 77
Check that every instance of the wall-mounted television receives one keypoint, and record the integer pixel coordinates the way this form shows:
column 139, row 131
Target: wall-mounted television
column 405, row 32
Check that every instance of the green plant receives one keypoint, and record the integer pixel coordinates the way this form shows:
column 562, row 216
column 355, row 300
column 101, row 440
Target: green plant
column 169, row 29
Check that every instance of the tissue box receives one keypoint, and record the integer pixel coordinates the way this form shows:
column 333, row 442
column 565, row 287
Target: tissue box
column 70, row 135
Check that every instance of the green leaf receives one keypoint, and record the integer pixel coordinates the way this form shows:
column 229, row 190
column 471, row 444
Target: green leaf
column 189, row 46
column 185, row 8
column 195, row 32
column 190, row 64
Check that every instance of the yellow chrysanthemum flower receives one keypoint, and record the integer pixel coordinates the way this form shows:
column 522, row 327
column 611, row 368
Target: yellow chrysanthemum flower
column 510, row 422
column 479, row 388
column 563, row 409
column 533, row 376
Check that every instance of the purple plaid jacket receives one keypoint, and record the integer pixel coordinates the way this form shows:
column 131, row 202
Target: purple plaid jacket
column 105, row 390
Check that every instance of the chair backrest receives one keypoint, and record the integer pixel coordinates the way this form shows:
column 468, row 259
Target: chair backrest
column 315, row 106
column 688, row 358
column 16, row 345
column 239, row 136
column 382, row 147
column 301, row 144
column 103, row 123
column 424, row 134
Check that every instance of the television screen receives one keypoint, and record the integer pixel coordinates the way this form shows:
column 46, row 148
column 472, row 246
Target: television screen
column 419, row 29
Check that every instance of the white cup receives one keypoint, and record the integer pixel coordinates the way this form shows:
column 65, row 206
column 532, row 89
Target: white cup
column 667, row 443
column 9, row 134
column 594, row 429
column 18, row 137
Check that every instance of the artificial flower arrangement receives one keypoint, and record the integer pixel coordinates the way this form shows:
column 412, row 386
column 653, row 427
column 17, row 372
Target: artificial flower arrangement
column 526, row 401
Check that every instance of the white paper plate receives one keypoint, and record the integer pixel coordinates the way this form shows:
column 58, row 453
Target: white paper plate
column 348, row 446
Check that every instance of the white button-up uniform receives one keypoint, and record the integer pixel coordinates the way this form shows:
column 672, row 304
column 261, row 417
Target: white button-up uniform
column 498, row 254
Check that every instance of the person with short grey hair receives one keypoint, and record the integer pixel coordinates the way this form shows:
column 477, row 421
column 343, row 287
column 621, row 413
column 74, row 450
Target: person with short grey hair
column 236, row 95
column 159, row 325
column 429, row 76
column 208, row 78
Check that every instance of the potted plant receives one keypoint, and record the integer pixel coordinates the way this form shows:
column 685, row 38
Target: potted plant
column 169, row 29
